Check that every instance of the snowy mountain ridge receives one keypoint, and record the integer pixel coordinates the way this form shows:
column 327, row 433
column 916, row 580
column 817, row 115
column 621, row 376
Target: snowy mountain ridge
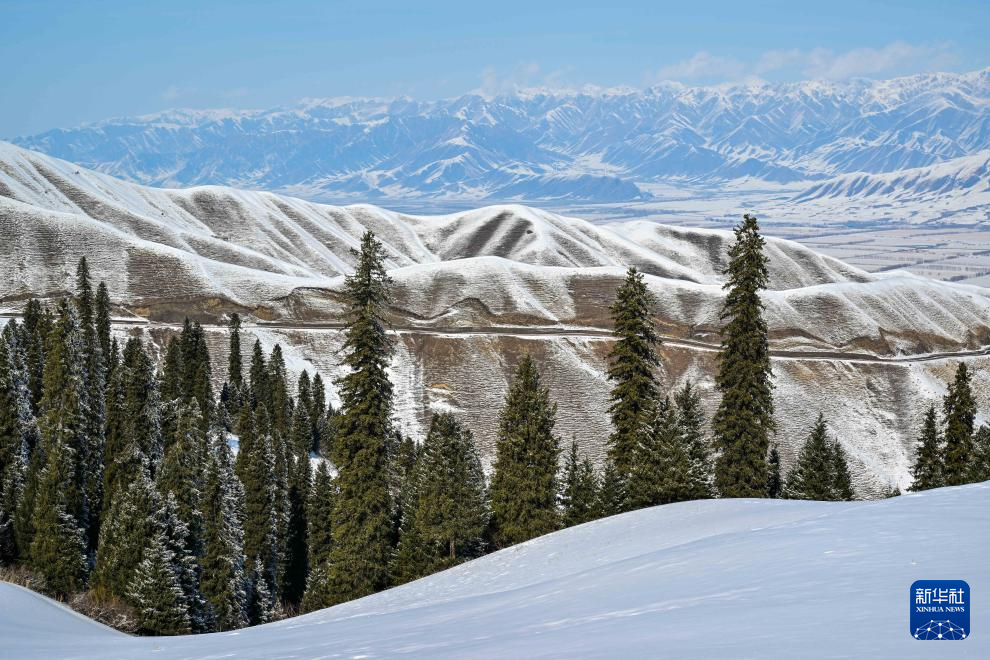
column 716, row 578
column 593, row 145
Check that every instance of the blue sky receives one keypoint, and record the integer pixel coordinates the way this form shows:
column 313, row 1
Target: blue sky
column 66, row 63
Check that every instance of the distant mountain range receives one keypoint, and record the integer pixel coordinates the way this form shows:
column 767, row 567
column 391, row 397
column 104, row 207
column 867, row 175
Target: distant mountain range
column 595, row 146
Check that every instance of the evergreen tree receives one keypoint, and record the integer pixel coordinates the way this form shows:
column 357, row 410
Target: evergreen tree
column 449, row 511
column 661, row 470
column 979, row 460
column 362, row 511
column 224, row 584
column 64, row 410
column 959, row 409
column 156, row 591
column 182, row 472
column 612, row 497
column 58, row 546
column 279, row 403
column 320, row 508
column 691, row 420
column 821, row 472
column 842, row 481
column 775, row 482
column 258, row 374
column 296, row 560
column 127, row 526
column 95, row 381
column 929, row 464
column 580, row 490
column 102, row 318
column 18, row 439
column 235, row 369
column 633, row 361
column 134, row 421
column 38, row 323
column 524, row 482
column 261, row 541
column 744, row 419
column 180, row 544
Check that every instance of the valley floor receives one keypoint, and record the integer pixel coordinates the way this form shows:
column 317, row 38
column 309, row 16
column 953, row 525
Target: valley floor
column 720, row 578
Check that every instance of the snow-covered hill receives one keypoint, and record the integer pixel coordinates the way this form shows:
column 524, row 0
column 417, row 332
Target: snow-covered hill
column 724, row 578
column 474, row 290
column 600, row 145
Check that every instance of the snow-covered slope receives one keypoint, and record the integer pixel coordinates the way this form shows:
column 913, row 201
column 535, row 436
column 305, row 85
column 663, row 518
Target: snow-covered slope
column 957, row 190
column 726, row 579
column 539, row 145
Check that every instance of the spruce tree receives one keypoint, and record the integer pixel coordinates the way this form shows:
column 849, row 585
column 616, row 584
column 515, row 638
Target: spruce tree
column 261, row 506
column 224, row 584
column 775, row 482
column 661, row 470
column 959, row 409
column 449, row 510
column 127, row 526
column 102, row 318
column 38, row 322
column 182, row 471
column 524, row 482
column 579, row 490
column 64, row 410
column 362, row 512
column 691, row 420
column 842, row 490
column 319, row 541
column 134, row 421
column 296, row 560
column 235, row 369
column 58, row 546
column 927, row 471
column 258, row 377
column 979, row 460
column 821, row 472
column 18, row 439
column 744, row 419
column 156, row 591
column 95, row 381
column 612, row 498
column 181, row 543
column 633, row 361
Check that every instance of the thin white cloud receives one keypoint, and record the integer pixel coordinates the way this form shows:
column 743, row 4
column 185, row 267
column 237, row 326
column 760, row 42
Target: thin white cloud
column 895, row 58
column 174, row 92
column 703, row 65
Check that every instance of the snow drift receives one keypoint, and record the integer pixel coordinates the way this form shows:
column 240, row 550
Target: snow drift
column 723, row 578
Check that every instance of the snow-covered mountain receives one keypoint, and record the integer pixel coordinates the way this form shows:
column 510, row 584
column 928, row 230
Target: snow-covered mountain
column 597, row 145
column 474, row 290
column 712, row 579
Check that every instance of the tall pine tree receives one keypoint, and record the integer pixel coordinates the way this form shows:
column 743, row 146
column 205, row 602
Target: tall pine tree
column 449, row 511
column 633, row 361
column 744, row 419
column 362, row 509
column 579, row 490
column 524, row 482
column 959, row 409
column 929, row 462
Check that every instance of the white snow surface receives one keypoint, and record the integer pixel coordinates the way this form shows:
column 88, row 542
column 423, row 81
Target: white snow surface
column 722, row 578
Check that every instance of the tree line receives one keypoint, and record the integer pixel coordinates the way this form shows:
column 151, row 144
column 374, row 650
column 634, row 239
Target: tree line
column 121, row 478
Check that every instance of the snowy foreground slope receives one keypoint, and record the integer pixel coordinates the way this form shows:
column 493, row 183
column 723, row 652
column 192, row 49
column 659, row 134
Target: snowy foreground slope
column 729, row 578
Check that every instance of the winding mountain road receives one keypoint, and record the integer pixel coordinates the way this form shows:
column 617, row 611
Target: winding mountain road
column 584, row 332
